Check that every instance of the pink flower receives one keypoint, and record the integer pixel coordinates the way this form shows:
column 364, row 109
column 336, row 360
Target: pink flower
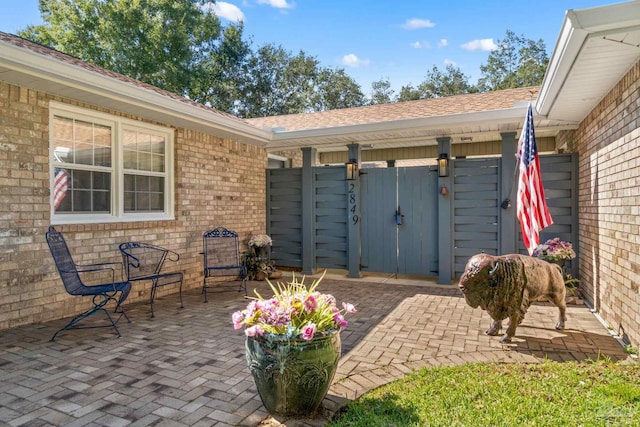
column 339, row 319
column 237, row 318
column 307, row 332
column 349, row 308
column 330, row 299
column 310, row 304
column 253, row 331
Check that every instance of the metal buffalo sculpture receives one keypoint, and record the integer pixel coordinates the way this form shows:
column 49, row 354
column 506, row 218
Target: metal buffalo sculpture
column 506, row 285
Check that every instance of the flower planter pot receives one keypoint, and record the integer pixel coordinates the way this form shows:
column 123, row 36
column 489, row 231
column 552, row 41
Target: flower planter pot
column 262, row 252
column 261, row 275
column 275, row 274
column 293, row 375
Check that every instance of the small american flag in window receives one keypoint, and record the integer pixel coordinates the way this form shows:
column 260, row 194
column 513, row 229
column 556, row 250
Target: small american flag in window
column 60, row 184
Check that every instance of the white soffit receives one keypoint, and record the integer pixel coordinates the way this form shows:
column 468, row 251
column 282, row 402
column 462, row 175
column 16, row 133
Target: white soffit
column 595, row 49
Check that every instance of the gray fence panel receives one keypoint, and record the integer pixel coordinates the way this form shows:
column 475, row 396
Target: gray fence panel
column 476, row 209
column 418, row 234
column 560, row 179
column 284, row 215
column 330, row 191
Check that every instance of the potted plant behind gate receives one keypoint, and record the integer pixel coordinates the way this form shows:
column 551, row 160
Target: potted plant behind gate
column 293, row 345
column 557, row 251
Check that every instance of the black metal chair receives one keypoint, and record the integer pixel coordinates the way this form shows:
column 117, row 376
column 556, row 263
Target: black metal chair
column 101, row 293
column 143, row 261
column 222, row 259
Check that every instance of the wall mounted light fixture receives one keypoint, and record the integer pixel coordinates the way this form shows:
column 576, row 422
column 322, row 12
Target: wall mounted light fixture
column 352, row 169
column 443, row 165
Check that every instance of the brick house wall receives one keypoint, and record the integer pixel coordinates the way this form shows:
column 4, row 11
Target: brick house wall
column 608, row 143
column 218, row 182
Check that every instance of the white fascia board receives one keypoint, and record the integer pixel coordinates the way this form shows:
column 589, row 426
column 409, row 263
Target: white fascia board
column 564, row 55
column 423, row 123
column 54, row 70
column 578, row 25
column 607, row 18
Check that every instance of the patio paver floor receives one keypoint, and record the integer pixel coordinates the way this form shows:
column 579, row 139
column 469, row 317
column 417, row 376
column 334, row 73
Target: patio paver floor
column 187, row 367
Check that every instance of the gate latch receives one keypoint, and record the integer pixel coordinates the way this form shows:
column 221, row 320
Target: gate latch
column 399, row 216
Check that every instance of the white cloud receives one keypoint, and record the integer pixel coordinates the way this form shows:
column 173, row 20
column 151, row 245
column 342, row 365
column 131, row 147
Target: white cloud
column 278, row 4
column 443, row 42
column 450, row 62
column 481, row 44
column 225, row 10
column 351, row 60
column 415, row 24
column 420, row 45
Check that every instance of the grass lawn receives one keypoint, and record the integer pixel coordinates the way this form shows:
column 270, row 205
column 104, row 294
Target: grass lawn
column 599, row 393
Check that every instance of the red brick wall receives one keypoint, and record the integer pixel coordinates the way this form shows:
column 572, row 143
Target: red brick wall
column 608, row 143
column 219, row 182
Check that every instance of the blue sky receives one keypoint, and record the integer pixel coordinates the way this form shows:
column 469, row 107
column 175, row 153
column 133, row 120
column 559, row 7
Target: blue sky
column 397, row 40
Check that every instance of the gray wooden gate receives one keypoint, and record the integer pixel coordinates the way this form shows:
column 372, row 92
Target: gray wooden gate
column 400, row 221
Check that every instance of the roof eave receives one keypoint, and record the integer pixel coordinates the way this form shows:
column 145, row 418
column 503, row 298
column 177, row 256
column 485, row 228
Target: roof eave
column 51, row 69
column 577, row 27
column 323, row 136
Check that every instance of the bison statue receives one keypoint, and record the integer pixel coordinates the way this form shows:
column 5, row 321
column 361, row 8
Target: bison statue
column 506, row 285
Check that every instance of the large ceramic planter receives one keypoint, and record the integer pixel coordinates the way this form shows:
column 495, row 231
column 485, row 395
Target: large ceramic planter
column 293, row 375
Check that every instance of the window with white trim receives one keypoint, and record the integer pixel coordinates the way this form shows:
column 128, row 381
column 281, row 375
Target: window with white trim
column 106, row 168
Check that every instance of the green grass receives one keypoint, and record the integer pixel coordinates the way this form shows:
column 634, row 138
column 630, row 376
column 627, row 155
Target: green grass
column 599, row 393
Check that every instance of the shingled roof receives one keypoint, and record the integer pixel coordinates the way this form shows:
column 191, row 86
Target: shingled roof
column 467, row 103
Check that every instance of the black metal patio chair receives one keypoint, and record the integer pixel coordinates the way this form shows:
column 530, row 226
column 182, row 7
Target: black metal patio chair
column 222, row 259
column 102, row 293
column 143, row 261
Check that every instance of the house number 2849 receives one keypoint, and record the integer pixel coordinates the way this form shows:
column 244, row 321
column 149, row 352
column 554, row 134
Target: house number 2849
column 353, row 205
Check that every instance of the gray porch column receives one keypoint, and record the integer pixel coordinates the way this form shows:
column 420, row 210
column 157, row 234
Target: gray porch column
column 508, row 190
column 308, row 211
column 353, row 216
column 445, row 220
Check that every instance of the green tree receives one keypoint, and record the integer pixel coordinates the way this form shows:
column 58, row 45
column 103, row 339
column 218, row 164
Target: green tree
column 409, row 93
column 518, row 62
column 336, row 90
column 278, row 82
column 166, row 43
column 381, row 92
column 450, row 82
column 223, row 72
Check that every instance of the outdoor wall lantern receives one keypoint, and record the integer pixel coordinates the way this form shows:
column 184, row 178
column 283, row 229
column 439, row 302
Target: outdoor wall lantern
column 352, row 170
column 443, row 165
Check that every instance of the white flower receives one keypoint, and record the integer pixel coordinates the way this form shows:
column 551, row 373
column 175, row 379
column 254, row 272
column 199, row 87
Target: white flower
column 260, row 240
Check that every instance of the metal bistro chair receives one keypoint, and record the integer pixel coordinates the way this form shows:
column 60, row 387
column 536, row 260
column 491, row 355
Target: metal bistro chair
column 143, row 261
column 222, row 258
column 101, row 293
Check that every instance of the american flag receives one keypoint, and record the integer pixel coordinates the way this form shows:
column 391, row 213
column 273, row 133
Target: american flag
column 532, row 209
column 60, row 184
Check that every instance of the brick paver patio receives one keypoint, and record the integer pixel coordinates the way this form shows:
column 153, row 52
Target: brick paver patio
column 187, row 367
